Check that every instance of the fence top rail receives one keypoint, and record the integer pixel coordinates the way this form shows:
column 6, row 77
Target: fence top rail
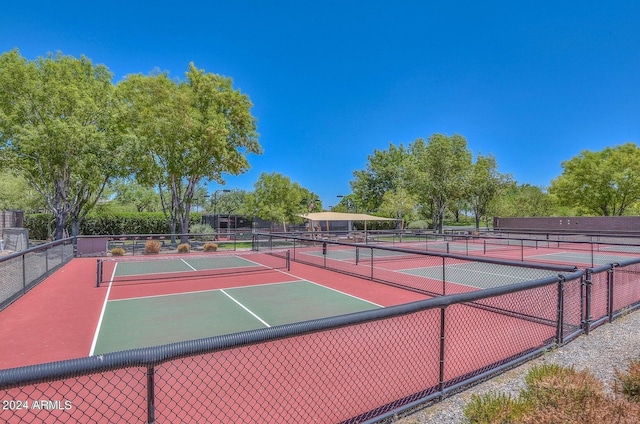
column 152, row 356
column 521, row 264
column 627, row 262
column 38, row 248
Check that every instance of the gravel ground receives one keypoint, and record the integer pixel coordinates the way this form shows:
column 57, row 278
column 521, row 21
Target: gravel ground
column 606, row 348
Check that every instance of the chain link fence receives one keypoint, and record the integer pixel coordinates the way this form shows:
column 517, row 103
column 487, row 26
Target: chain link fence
column 356, row 368
column 21, row 271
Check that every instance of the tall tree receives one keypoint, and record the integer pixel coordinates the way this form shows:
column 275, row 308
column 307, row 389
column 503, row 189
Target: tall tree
column 385, row 171
column 59, row 130
column 127, row 192
column 523, row 200
column 484, row 184
column 277, row 199
column 188, row 132
column 398, row 204
column 602, row 183
column 440, row 172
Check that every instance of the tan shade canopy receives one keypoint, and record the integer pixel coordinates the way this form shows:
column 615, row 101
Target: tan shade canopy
column 341, row 216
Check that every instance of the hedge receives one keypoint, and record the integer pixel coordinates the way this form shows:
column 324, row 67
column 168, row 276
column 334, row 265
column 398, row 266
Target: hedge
column 41, row 226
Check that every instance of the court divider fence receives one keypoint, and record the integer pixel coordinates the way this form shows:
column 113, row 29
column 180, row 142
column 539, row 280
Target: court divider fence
column 21, row 271
column 474, row 243
column 357, row 368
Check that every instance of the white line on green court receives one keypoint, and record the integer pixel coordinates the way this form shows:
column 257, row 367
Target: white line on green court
column 329, row 288
column 188, row 264
column 104, row 308
column 345, row 294
column 245, row 308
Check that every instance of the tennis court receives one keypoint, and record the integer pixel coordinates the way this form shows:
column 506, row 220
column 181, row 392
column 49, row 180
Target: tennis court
column 188, row 314
column 479, row 275
column 581, row 258
column 427, row 273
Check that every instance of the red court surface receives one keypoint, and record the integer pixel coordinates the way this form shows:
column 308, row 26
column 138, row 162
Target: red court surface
column 57, row 319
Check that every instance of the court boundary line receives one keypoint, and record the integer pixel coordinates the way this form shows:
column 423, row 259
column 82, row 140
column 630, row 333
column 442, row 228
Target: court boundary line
column 203, row 291
column 245, row 308
column 462, row 269
column 104, row 309
column 131, row 277
column 188, row 264
column 345, row 294
column 288, row 273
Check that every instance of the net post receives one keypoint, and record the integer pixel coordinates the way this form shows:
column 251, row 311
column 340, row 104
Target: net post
column 288, row 258
column 99, row 272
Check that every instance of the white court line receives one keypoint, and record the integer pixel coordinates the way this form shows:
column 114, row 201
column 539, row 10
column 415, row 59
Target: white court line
column 345, row 294
column 188, row 264
column 104, row 308
column 202, row 291
column 298, row 278
column 245, row 308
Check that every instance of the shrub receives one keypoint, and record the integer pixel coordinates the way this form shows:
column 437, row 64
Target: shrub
column 184, row 248
column 201, row 229
column 210, row 247
column 554, row 394
column 628, row 383
column 152, row 246
column 493, row 408
column 418, row 225
column 117, row 251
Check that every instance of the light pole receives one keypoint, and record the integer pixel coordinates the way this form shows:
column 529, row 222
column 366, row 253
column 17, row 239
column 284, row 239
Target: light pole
column 349, row 203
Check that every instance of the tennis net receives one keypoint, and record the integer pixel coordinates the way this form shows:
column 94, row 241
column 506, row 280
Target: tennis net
column 125, row 270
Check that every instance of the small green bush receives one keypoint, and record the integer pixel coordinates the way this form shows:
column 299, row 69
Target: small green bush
column 152, row 246
column 627, row 382
column 418, row 225
column 493, row 408
column 184, row 248
column 117, row 251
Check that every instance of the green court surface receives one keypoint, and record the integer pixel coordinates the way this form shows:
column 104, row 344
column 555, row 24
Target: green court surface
column 585, row 258
column 480, row 275
column 125, row 268
column 150, row 321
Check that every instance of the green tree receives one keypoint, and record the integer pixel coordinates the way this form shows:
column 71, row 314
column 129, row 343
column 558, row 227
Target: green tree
column 439, row 172
column 398, row 204
column 601, row 183
column 127, row 192
column 484, row 184
column 522, row 201
column 59, row 130
column 385, row 171
column 188, row 132
column 17, row 194
column 277, row 199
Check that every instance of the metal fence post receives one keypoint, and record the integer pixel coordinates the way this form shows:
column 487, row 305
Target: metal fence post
column 588, row 282
column 442, row 353
column 610, row 292
column 444, row 279
column 24, row 273
column 151, row 395
column 560, row 323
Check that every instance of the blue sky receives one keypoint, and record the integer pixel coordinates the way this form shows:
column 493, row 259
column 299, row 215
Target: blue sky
column 533, row 83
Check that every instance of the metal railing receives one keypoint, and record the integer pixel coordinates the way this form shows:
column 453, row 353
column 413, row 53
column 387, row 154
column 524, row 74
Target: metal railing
column 21, row 271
